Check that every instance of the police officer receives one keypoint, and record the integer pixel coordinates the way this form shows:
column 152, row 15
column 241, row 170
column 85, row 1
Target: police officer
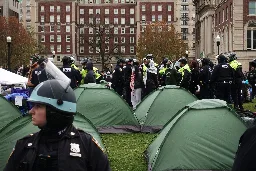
column 204, row 79
column 127, row 80
column 236, row 87
column 171, row 73
column 251, row 76
column 70, row 72
column 83, row 71
column 90, row 76
column 72, row 63
column 185, row 73
column 161, row 72
column 118, row 78
column 39, row 74
column 58, row 145
column 222, row 77
column 32, row 67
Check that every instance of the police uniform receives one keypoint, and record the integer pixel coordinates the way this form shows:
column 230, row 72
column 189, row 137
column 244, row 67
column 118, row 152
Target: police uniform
column 251, row 76
column 72, row 150
column 204, row 80
column 118, row 80
column 73, row 74
column 185, row 76
column 222, row 77
column 236, row 87
column 127, row 80
column 38, row 76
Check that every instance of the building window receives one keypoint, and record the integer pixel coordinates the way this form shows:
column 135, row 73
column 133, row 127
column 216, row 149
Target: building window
column 42, row 19
column 106, row 11
column 81, row 11
column 51, row 28
column 122, row 49
column 131, row 30
column 122, row 20
column 159, row 17
column 58, row 18
column 131, row 20
column 153, row 18
column 143, row 8
column 115, row 11
column 51, row 8
column 107, row 49
column 184, row 36
column 143, row 19
column 52, row 18
column 252, row 8
column 169, row 18
column 122, row 39
column 81, row 49
column 90, row 30
column 90, row 11
column 58, row 58
column 67, row 18
column 67, row 38
column 81, row 20
column 153, row 7
column 132, row 39
column 251, row 39
column 90, row 49
column 67, row 28
column 68, row 48
column 106, row 20
column 122, row 11
column 223, row 15
column 131, row 49
column 122, row 30
column 159, row 8
column 58, row 8
column 90, row 20
column 42, row 28
column 58, row 48
column 42, row 8
column 131, row 10
column 97, row 11
column 106, row 40
column 169, row 8
column 81, row 31
column 226, row 16
column 115, row 20
column 115, row 30
column 52, row 48
column 42, row 38
column 58, row 38
column 68, row 8
column 51, row 38
column 115, row 39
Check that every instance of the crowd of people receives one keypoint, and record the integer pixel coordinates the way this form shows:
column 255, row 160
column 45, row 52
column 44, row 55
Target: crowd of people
column 133, row 79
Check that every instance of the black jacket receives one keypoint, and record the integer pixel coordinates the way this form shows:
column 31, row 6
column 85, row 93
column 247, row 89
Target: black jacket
column 171, row 77
column 245, row 159
column 222, row 73
column 138, row 80
column 127, row 75
column 87, row 157
column 38, row 76
column 73, row 74
column 90, row 76
column 118, row 77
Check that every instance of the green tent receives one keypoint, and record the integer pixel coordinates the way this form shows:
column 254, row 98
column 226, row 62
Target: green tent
column 202, row 136
column 22, row 126
column 161, row 106
column 8, row 112
column 105, row 109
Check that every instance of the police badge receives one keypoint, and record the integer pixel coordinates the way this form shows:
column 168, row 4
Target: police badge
column 75, row 150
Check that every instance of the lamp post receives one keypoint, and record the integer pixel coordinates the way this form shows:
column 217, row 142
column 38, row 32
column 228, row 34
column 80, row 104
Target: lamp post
column 218, row 43
column 53, row 54
column 186, row 54
column 9, row 41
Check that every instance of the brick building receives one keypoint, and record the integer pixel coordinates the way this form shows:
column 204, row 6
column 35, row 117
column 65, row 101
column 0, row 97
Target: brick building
column 235, row 22
column 9, row 8
column 56, row 27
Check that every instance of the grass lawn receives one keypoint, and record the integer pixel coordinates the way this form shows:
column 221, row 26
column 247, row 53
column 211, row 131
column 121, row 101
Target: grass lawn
column 125, row 151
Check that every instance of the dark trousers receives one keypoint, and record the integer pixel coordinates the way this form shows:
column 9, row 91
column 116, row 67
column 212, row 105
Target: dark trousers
column 128, row 95
column 237, row 95
column 205, row 92
column 223, row 91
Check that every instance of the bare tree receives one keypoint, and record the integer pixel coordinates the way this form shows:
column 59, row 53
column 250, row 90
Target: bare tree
column 100, row 39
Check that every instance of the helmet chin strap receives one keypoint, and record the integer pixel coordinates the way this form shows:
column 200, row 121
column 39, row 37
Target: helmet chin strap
column 57, row 120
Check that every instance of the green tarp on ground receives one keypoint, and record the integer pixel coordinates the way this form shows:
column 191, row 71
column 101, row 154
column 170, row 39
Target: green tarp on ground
column 105, row 109
column 160, row 106
column 22, row 126
column 202, row 136
column 8, row 112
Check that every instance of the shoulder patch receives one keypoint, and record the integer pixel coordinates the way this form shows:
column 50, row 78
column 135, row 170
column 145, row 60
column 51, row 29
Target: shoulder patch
column 98, row 144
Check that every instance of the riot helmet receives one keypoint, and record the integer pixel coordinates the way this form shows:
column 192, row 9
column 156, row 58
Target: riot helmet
column 66, row 60
column 222, row 58
column 205, row 61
